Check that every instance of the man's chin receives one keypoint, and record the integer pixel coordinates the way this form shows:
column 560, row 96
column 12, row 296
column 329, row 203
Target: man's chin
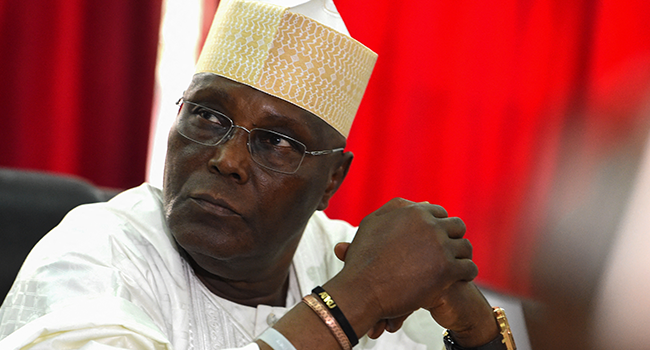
column 226, row 261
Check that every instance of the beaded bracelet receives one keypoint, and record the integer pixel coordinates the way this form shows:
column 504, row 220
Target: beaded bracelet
column 327, row 318
column 337, row 313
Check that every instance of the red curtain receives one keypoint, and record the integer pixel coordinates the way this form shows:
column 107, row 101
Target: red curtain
column 76, row 86
column 469, row 107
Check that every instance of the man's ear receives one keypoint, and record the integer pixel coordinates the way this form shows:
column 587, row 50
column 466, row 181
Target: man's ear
column 340, row 170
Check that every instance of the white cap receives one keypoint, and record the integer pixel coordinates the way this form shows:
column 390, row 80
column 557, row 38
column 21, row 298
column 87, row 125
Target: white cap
column 296, row 50
column 323, row 11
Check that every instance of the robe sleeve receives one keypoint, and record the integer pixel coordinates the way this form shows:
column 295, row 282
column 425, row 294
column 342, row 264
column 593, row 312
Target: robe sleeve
column 94, row 324
column 97, row 323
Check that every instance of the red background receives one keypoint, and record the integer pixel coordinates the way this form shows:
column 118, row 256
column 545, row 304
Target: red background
column 76, row 86
column 468, row 106
column 470, row 103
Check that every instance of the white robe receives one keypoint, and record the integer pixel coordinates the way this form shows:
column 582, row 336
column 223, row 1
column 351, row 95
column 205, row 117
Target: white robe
column 110, row 276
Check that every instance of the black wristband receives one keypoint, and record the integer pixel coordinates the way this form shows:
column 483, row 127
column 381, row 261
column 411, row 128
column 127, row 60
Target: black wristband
column 337, row 314
column 496, row 344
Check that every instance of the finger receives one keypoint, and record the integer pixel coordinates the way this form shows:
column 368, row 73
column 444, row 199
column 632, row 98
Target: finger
column 466, row 270
column 437, row 210
column 396, row 203
column 377, row 329
column 341, row 250
column 391, row 205
column 394, row 324
column 455, row 227
column 461, row 248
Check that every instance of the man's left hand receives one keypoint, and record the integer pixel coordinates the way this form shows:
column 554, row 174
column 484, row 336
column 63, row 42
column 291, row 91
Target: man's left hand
column 462, row 309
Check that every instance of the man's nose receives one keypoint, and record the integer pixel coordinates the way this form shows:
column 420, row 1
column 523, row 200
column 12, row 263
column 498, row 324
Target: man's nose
column 231, row 157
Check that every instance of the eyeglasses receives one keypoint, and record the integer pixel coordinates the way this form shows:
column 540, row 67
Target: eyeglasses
column 269, row 149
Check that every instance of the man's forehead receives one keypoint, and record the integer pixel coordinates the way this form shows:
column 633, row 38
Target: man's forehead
column 211, row 88
column 206, row 85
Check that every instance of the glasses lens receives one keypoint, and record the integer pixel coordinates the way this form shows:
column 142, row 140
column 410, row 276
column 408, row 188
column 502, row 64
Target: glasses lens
column 202, row 125
column 276, row 151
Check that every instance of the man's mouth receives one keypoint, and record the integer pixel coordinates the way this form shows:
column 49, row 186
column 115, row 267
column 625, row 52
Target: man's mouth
column 213, row 205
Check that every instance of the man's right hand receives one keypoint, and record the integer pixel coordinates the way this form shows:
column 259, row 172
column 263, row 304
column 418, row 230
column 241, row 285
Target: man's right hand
column 405, row 256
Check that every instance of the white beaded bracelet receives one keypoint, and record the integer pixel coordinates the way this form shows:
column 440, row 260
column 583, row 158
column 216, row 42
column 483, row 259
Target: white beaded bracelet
column 275, row 340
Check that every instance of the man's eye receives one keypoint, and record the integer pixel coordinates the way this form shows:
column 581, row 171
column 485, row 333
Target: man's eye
column 278, row 141
column 272, row 141
column 208, row 115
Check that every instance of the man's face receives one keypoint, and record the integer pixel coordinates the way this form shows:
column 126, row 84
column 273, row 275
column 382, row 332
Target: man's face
column 221, row 206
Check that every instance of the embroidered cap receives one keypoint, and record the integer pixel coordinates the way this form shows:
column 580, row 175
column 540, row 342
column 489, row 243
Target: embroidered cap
column 298, row 51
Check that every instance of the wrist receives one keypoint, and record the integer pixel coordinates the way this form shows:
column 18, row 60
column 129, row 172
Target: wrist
column 337, row 314
column 502, row 341
column 479, row 327
column 494, row 344
column 474, row 337
column 360, row 312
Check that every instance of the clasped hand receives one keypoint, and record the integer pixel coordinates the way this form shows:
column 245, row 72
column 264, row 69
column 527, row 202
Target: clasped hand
column 407, row 256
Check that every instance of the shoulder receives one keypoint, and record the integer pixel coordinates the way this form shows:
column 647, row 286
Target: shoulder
column 109, row 245
column 135, row 215
column 118, row 249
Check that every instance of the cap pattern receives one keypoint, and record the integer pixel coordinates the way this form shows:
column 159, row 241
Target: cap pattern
column 289, row 56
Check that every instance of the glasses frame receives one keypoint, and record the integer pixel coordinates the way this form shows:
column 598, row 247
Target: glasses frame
column 230, row 133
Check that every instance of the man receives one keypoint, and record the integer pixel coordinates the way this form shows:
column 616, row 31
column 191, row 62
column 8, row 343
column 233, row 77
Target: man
column 236, row 238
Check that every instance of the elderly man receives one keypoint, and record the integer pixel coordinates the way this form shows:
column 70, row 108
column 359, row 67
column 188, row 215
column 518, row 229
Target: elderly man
column 235, row 238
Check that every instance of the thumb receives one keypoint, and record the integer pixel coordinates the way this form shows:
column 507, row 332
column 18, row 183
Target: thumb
column 341, row 250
